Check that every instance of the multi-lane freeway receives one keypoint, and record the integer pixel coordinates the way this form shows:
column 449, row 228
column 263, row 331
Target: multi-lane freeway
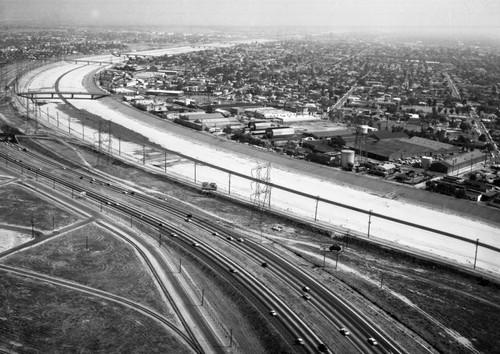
column 335, row 310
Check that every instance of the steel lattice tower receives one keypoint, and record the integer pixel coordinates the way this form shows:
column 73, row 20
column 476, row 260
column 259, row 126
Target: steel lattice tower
column 261, row 197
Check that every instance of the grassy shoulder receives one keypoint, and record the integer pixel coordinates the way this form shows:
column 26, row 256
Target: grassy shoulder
column 42, row 318
column 108, row 264
column 21, row 207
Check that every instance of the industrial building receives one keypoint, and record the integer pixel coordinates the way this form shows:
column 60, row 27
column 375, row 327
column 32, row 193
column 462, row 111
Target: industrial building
column 459, row 163
column 213, row 122
column 386, row 146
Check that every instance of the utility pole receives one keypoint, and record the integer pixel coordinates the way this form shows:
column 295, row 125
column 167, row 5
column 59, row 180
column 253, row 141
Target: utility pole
column 475, row 256
column 316, row 210
column 369, row 222
column 195, row 172
column 32, row 226
column 110, row 150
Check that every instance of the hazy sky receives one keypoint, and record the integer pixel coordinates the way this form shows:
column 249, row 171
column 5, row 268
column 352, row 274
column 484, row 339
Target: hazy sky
column 463, row 15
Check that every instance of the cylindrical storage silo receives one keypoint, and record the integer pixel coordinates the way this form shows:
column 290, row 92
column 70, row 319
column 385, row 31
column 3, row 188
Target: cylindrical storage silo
column 426, row 162
column 346, row 158
column 363, row 129
column 279, row 132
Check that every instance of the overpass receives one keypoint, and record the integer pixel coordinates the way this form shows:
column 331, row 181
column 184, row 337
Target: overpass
column 88, row 62
column 47, row 95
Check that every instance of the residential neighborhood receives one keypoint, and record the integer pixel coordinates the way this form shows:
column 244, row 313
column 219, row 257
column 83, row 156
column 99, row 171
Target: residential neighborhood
column 406, row 111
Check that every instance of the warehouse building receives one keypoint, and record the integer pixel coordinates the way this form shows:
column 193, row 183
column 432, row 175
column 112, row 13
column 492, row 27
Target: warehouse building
column 456, row 164
column 213, row 122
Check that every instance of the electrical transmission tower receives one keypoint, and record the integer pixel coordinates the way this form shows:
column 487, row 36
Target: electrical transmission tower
column 261, row 196
column 102, row 140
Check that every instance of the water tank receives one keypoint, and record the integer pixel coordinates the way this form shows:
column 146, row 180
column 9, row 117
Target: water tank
column 346, row 158
column 363, row 129
column 426, row 162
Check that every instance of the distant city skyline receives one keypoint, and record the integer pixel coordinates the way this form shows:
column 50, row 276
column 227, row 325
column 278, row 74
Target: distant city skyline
column 461, row 16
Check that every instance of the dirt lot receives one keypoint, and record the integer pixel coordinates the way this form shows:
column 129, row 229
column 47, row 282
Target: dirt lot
column 453, row 312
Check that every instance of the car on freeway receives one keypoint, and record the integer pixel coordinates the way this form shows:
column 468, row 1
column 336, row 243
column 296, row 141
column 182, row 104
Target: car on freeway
column 372, row 341
column 264, row 264
column 344, row 331
column 322, row 348
column 215, row 233
column 233, row 270
column 306, row 296
column 299, row 341
column 273, row 313
column 306, row 289
column 173, row 234
column 229, row 238
column 195, row 244
column 240, row 240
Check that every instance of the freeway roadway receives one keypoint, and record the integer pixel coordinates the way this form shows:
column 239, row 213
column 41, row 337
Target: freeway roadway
column 323, row 300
